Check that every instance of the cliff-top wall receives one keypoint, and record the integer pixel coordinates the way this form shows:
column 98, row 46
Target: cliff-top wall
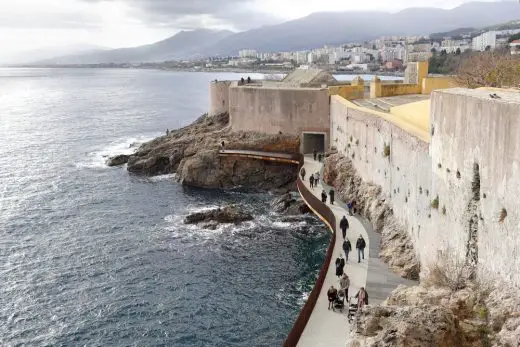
column 471, row 162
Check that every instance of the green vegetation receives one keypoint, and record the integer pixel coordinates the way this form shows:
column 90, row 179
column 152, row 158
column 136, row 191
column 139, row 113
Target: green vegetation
column 435, row 202
column 386, row 151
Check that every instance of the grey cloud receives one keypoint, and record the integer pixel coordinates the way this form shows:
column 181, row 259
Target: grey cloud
column 188, row 14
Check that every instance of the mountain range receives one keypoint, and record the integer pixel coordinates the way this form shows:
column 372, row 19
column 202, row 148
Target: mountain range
column 309, row 32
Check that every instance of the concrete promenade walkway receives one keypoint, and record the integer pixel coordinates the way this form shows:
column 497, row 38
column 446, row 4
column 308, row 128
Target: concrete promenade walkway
column 328, row 328
column 325, row 327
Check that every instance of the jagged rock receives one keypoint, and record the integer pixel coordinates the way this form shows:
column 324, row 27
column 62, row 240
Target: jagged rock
column 390, row 326
column 288, row 205
column 118, row 160
column 192, row 154
column 228, row 214
column 396, row 245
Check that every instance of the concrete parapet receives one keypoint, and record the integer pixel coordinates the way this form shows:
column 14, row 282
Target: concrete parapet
column 353, row 91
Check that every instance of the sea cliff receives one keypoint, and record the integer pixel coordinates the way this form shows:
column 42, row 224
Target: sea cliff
column 192, row 154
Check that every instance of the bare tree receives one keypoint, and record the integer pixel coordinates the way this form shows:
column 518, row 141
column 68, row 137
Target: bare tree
column 490, row 69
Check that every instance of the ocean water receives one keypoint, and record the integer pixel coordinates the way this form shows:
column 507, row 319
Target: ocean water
column 94, row 256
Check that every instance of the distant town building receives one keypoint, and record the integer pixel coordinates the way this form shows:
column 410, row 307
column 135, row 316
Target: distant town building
column 487, row 39
column 515, row 47
column 418, row 56
column 247, row 53
column 393, row 65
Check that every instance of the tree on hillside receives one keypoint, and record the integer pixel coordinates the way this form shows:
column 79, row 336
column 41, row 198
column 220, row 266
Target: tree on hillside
column 458, row 51
column 514, row 37
column 490, row 69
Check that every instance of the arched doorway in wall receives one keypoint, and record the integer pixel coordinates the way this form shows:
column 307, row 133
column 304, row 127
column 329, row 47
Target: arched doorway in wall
column 311, row 141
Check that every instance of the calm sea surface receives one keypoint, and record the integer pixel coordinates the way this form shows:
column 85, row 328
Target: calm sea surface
column 93, row 256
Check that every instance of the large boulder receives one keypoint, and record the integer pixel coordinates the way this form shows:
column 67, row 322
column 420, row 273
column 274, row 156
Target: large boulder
column 118, row 160
column 288, row 205
column 228, row 214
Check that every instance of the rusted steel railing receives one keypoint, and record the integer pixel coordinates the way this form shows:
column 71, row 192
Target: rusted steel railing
column 327, row 216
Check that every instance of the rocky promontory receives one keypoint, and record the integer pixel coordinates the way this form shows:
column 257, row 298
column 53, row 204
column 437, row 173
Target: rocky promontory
column 290, row 206
column 211, row 218
column 192, row 154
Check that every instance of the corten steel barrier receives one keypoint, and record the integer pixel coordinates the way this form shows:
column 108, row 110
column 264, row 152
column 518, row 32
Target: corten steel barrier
column 326, row 215
column 267, row 156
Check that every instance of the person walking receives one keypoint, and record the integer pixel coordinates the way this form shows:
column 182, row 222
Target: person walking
column 302, row 173
column 323, row 196
column 349, row 206
column 360, row 246
column 343, row 225
column 331, row 194
column 314, row 154
column 344, row 284
column 347, row 247
column 319, row 157
column 317, row 178
column 311, row 181
column 362, row 298
column 332, row 294
column 340, row 264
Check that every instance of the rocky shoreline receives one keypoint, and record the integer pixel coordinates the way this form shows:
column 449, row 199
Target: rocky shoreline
column 192, row 154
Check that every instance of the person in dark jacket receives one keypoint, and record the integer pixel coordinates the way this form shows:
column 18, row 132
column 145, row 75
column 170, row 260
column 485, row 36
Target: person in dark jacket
column 347, row 247
column 314, row 153
column 331, row 194
column 343, row 225
column 340, row 264
column 319, row 157
column 323, row 196
column 302, row 173
column 360, row 246
column 332, row 294
column 311, row 181
column 362, row 297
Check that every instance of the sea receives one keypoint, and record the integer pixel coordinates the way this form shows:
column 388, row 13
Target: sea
column 96, row 256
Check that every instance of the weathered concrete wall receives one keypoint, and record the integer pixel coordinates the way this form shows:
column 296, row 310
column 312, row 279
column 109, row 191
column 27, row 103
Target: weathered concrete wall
column 471, row 163
column 403, row 171
column 274, row 110
column 218, row 97
column 476, row 174
column 429, row 84
column 399, row 89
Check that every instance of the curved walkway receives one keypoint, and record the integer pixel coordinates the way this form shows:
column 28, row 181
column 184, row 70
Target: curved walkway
column 328, row 328
column 270, row 156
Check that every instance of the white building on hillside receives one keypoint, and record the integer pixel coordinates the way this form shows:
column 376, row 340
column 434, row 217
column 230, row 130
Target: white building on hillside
column 486, row 39
column 247, row 53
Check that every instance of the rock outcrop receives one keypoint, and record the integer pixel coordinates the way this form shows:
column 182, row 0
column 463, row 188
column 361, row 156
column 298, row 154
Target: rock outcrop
column 209, row 219
column 476, row 315
column 118, row 160
column 396, row 245
column 288, row 205
column 192, row 153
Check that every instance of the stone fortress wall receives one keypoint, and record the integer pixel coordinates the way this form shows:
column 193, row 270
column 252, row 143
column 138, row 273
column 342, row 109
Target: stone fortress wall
column 471, row 162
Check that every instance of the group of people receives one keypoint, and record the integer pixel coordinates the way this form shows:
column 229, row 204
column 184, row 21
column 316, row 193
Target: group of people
column 314, row 180
column 317, row 155
column 344, row 285
column 242, row 81
column 347, row 246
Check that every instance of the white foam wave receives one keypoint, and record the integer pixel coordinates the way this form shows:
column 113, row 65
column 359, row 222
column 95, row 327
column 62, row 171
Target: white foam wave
column 97, row 158
column 162, row 178
column 288, row 225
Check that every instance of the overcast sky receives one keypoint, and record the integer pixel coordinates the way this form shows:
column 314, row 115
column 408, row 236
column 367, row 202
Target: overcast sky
column 33, row 24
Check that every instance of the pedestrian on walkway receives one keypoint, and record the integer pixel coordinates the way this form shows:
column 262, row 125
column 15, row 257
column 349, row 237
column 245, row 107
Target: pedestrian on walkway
column 347, row 247
column 323, row 196
column 319, row 157
column 302, row 173
column 362, row 298
column 314, row 154
column 343, row 225
column 360, row 246
column 340, row 264
column 344, row 284
column 350, row 206
column 317, row 178
column 332, row 294
column 311, row 181
column 331, row 194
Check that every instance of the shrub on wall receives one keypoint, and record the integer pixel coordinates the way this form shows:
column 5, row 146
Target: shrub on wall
column 435, row 202
column 386, row 151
